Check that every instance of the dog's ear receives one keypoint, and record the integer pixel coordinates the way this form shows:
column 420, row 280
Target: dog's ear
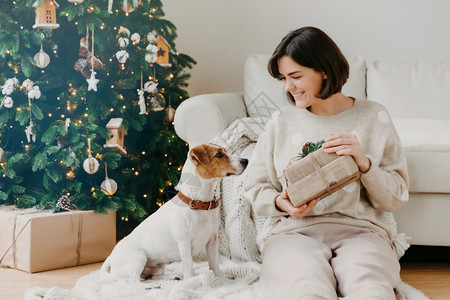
column 199, row 154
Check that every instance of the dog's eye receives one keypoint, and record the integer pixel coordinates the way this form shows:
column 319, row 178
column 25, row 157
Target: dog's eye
column 219, row 154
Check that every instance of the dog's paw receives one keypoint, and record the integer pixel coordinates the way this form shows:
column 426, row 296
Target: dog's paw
column 222, row 274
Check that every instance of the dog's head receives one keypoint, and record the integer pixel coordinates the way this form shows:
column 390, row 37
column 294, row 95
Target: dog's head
column 212, row 161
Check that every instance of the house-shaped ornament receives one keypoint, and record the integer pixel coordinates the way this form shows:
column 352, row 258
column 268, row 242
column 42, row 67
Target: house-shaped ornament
column 116, row 134
column 46, row 14
column 162, row 56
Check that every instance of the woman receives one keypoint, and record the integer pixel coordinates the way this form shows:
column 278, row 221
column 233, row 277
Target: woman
column 342, row 245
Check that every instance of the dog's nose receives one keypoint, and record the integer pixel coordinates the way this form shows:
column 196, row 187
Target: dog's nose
column 244, row 162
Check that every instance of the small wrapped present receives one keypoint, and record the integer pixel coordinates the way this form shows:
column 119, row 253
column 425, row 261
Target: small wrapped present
column 35, row 240
column 318, row 175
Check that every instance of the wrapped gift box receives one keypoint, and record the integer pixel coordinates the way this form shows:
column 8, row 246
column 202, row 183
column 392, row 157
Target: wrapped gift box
column 34, row 240
column 318, row 175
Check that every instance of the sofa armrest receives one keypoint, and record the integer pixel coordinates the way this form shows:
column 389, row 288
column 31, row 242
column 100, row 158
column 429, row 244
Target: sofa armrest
column 199, row 119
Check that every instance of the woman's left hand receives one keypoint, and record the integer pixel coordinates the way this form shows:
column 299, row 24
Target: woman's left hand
column 347, row 144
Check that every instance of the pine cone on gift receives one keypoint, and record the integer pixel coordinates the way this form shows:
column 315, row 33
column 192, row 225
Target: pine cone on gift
column 310, row 147
column 64, row 204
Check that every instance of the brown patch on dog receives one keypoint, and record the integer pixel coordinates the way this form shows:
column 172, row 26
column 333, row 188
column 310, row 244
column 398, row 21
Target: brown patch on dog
column 212, row 161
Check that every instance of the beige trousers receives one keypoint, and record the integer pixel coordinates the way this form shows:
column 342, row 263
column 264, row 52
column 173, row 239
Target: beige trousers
column 332, row 261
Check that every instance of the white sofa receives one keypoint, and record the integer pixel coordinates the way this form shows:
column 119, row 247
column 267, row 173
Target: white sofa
column 418, row 98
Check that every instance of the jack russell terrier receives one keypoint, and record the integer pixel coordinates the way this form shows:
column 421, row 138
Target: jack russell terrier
column 183, row 226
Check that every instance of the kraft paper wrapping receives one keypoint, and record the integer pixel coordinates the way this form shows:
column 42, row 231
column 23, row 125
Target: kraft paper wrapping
column 34, row 240
column 318, row 175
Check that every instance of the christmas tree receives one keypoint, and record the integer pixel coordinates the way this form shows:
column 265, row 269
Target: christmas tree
column 89, row 89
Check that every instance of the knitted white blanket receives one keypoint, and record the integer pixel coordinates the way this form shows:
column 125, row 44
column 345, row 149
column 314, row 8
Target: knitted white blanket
column 241, row 237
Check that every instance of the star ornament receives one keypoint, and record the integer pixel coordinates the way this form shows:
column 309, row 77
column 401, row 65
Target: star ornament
column 92, row 82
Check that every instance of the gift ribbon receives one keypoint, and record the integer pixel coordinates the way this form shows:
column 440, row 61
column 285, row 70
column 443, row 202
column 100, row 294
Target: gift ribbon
column 321, row 173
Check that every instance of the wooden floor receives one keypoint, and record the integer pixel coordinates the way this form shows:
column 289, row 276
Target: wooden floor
column 433, row 279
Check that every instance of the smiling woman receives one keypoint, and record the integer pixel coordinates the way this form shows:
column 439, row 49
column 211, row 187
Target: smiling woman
column 348, row 233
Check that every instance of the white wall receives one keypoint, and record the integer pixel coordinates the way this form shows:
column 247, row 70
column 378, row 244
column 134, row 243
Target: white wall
column 220, row 34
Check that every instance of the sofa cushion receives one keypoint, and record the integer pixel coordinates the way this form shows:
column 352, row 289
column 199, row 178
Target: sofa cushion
column 411, row 90
column 264, row 94
column 418, row 131
column 428, row 168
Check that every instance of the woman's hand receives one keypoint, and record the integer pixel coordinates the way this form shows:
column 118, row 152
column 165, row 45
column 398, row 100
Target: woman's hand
column 284, row 203
column 347, row 144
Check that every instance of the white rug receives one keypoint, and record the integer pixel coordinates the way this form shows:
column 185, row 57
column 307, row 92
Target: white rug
column 204, row 285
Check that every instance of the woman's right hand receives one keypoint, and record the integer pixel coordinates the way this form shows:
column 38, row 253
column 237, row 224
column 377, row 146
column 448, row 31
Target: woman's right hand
column 283, row 203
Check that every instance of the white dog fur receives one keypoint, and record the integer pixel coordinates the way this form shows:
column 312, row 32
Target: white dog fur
column 175, row 232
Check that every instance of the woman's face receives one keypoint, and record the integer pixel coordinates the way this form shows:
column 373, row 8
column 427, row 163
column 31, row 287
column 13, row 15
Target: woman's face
column 303, row 83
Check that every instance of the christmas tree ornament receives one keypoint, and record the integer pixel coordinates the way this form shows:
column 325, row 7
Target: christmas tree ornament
column 123, row 42
column 163, row 51
column 150, row 58
column 151, row 37
column 170, row 114
column 88, row 60
column 150, row 86
column 42, row 59
column 124, row 32
column 7, row 102
column 34, row 92
column 2, row 154
column 135, row 38
column 127, row 7
column 157, row 102
column 90, row 164
column 45, row 12
column 30, row 132
column 122, row 56
column 76, row 1
column 64, row 204
column 28, row 84
column 109, row 186
column 116, row 135
column 141, row 102
column 92, row 81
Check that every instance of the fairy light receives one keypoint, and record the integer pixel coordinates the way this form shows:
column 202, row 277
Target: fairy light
column 136, row 173
column 145, row 196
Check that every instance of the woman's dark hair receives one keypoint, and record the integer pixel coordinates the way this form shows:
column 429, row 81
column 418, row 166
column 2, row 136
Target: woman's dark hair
column 313, row 48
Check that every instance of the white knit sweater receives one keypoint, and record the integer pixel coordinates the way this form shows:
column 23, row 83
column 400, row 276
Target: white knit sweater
column 367, row 203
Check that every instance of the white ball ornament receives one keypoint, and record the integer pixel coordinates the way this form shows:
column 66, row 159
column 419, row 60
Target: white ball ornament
column 109, row 186
column 42, row 59
column 76, row 1
column 2, row 154
column 91, row 165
